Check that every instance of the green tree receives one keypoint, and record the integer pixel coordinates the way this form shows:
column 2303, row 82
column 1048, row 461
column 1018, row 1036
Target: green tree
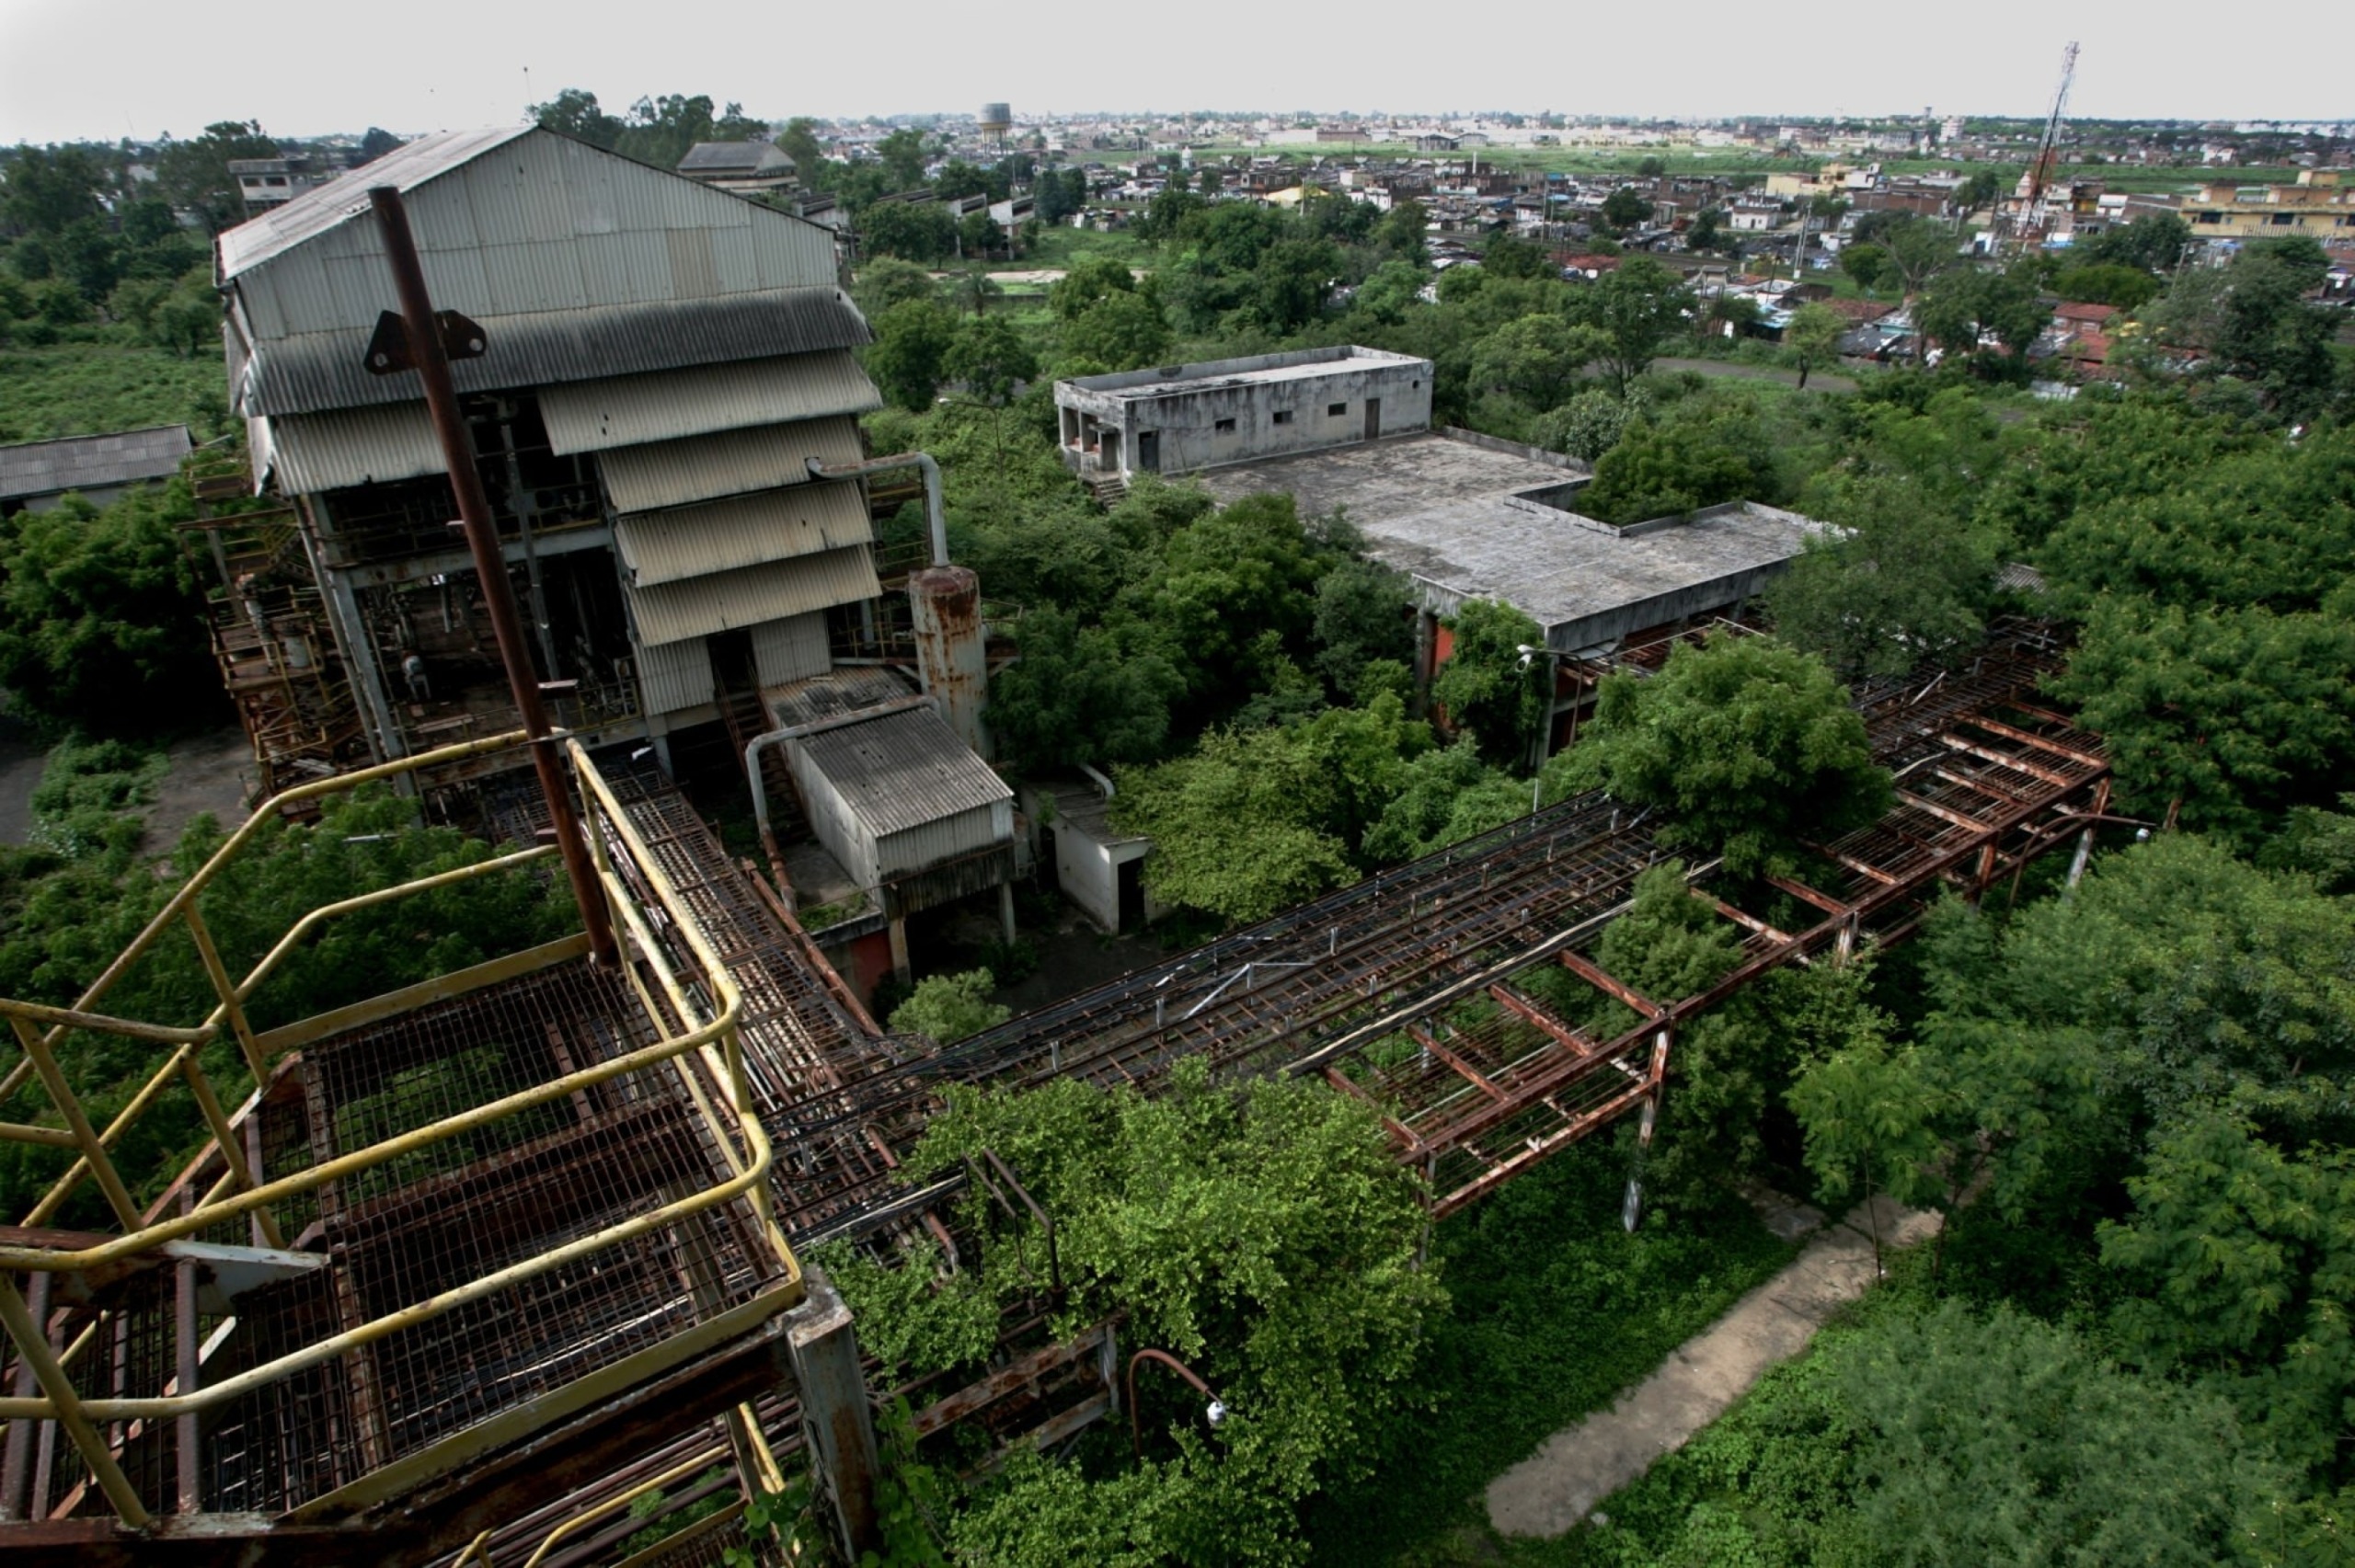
column 990, row 358
column 902, row 154
column 195, row 175
column 1961, row 305
column 1538, row 358
column 1488, row 689
column 49, row 189
column 1639, row 305
column 1510, row 255
column 1673, row 466
column 946, row 1008
column 1124, row 331
column 799, row 141
column 2270, row 335
column 1087, row 282
column 2106, row 283
column 1238, row 827
column 913, row 231
column 1813, row 338
column 1589, row 424
column 1364, row 614
column 1627, row 207
column 1746, row 746
column 885, row 280
column 1079, row 696
column 1901, row 581
column 1263, row 1234
column 1865, row 262
column 910, row 354
column 1225, row 582
column 1445, row 794
column 2155, row 242
column 2245, row 1257
column 1293, row 278
column 2003, row 1439
column 2235, row 713
column 575, row 113
column 104, row 627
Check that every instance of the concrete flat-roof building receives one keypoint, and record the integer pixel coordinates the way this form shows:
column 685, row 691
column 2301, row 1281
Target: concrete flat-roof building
column 1181, row 418
column 1491, row 520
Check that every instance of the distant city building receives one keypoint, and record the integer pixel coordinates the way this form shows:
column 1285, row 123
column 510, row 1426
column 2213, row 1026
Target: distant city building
column 264, row 183
column 748, row 168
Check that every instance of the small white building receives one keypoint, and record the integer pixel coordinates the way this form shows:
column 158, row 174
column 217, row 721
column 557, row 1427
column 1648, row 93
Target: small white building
column 1181, row 418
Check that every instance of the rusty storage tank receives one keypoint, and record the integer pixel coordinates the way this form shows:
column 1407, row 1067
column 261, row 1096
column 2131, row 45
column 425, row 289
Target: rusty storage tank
column 946, row 605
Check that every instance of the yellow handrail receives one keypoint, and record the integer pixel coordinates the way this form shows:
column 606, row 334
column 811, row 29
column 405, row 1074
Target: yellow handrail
column 718, row 1036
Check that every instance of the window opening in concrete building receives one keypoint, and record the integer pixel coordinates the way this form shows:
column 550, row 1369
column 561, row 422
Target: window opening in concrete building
column 1283, row 415
column 1335, row 410
column 1222, row 426
column 1373, row 416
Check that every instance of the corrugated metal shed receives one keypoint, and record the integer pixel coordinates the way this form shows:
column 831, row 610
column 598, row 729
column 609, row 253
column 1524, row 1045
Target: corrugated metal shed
column 675, row 676
column 792, row 648
column 91, row 462
column 894, row 794
column 325, row 370
column 743, row 531
column 836, row 692
column 903, row 770
column 666, row 405
column 736, row 462
column 697, row 607
column 353, row 446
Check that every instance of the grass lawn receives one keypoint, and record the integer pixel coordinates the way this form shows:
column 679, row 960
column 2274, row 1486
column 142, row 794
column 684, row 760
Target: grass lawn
column 1556, row 1309
column 1062, row 245
column 77, row 389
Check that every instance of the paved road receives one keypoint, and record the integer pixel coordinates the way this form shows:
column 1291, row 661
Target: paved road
column 1820, row 381
column 1550, row 1492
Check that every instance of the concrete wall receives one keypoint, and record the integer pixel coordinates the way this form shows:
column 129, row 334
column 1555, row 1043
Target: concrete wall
column 1239, row 412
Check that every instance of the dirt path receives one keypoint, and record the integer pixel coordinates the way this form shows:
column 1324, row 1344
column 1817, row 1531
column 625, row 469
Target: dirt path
column 1550, row 1492
column 207, row 773
column 1818, row 381
column 21, row 761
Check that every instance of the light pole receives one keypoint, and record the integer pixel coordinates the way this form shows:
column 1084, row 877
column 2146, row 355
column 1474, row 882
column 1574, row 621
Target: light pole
column 1214, row 1412
column 1545, row 715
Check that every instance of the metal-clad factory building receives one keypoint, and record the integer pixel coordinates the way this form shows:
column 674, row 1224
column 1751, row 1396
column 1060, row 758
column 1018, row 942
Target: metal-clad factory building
column 658, row 363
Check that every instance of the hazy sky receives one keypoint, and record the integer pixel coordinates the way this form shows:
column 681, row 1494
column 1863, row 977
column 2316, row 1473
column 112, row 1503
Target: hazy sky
column 104, row 69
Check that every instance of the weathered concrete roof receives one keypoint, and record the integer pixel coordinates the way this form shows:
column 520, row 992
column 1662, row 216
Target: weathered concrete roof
column 91, row 462
column 1447, row 512
column 1299, row 364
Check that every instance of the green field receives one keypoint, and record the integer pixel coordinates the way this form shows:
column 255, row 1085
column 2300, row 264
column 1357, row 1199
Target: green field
column 83, row 388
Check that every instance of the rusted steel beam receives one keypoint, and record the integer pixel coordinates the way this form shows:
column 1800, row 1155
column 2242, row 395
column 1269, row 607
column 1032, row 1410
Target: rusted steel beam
column 2017, row 765
column 1462, row 1069
column 1398, row 1129
column 1499, row 1170
column 1609, row 984
column 2041, row 742
column 1943, row 813
column 1530, row 1013
column 1807, row 895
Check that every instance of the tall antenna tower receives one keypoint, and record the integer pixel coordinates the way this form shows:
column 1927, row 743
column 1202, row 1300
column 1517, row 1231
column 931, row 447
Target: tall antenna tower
column 2047, row 150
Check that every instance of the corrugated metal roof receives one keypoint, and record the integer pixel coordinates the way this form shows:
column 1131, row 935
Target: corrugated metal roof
column 92, row 463
column 353, row 446
column 725, row 157
column 743, row 531
column 843, row 690
column 902, row 770
column 737, row 462
column 323, row 207
column 696, row 607
column 629, row 410
column 325, row 370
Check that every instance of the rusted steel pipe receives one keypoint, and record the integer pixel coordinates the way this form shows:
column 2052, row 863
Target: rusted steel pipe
column 819, row 469
column 482, row 540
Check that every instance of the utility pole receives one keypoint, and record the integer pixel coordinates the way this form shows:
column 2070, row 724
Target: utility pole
column 427, row 356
